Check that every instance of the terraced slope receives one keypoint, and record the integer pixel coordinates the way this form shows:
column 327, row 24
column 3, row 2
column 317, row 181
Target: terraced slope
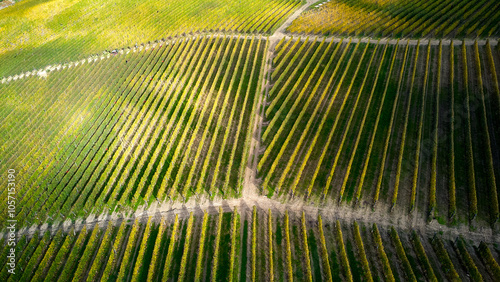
column 163, row 122
column 413, row 127
column 237, row 245
column 36, row 33
column 396, row 18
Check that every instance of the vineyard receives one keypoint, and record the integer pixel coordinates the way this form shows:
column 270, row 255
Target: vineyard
column 111, row 137
column 225, row 245
column 414, row 127
column 409, row 19
column 61, row 31
column 250, row 140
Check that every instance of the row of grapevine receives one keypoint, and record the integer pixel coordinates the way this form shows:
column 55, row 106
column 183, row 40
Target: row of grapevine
column 125, row 152
column 74, row 38
column 166, row 247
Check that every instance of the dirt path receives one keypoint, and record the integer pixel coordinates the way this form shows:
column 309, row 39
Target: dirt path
column 329, row 213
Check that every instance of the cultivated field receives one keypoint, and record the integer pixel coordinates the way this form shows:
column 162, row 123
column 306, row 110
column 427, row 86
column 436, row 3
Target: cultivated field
column 113, row 136
column 250, row 140
column 36, row 33
column 409, row 19
column 413, row 126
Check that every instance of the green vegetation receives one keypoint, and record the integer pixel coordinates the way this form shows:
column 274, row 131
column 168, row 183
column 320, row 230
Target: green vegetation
column 414, row 18
column 54, row 32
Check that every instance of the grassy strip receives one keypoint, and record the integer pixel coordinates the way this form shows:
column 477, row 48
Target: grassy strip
column 186, row 153
column 494, row 210
column 422, row 257
column 420, row 132
column 58, row 262
column 288, row 247
column 432, row 192
column 215, row 263
column 382, row 255
column 128, row 256
column 391, row 123
column 49, row 256
column 139, row 266
column 298, row 121
column 402, row 255
column 199, row 260
column 229, row 126
column 467, row 259
column 361, row 127
column 103, row 251
column 234, row 246
column 324, row 251
column 220, row 120
column 170, row 254
column 470, row 154
column 35, row 258
column 377, row 121
column 489, row 261
column 306, row 248
column 85, row 259
column 112, row 263
column 405, row 129
column 270, row 238
column 444, row 259
column 254, row 242
column 156, row 257
column 287, row 56
column 342, row 251
column 187, row 244
column 452, row 184
column 74, row 256
column 362, row 254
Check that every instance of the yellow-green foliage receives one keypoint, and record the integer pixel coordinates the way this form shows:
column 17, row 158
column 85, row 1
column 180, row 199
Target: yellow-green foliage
column 201, row 249
column 215, row 262
column 405, row 129
column 125, row 266
column 361, row 251
column 381, row 254
column 490, row 262
column 139, row 266
column 155, row 259
column 444, row 259
column 187, row 244
column 494, row 210
column 170, row 254
column 97, row 264
column 402, row 255
column 422, row 257
column 270, row 238
column 111, row 265
column 306, row 247
column 343, row 253
column 84, row 260
column 38, row 32
column 389, row 18
column 234, row 237
column 470, row 154
column 47, row 260
column 288, row 247
column 254, row 242
column 467, row 259
column 324, row 251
